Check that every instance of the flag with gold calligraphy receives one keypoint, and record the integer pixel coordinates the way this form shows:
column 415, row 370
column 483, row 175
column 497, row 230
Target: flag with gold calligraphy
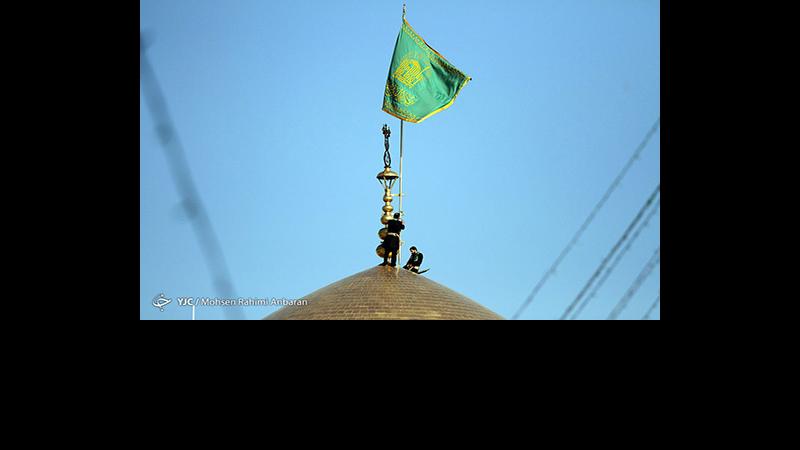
column 421, row 81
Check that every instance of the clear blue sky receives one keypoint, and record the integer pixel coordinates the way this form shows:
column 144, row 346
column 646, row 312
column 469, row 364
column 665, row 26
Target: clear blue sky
column 278, row 105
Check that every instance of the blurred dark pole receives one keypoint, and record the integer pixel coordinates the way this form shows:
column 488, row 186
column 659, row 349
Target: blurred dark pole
column 190, row 197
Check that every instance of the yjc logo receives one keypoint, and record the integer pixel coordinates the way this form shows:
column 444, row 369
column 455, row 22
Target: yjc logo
column 185, row 301
column 159, row 301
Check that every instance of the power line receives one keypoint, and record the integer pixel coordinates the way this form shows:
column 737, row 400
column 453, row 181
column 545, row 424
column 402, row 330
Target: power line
column 618, row 258
column 181, row 174
column 590, row 218
column 646, row 271
column 653, row 306
column 612, row 252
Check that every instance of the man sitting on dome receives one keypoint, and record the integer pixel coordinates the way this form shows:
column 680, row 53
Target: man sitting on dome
column 392, row 242
column 414, row 261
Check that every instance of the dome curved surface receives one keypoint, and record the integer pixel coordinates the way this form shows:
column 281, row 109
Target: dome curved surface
column 384, row 292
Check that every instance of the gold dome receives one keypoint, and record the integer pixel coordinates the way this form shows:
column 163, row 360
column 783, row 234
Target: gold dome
column 384, row 292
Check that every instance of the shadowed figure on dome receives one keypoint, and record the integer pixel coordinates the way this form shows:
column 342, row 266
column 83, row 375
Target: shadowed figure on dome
column 414, row 261
column 391, row 244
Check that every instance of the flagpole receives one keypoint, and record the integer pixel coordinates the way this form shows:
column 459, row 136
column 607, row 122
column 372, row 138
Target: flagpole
column 400, row 205
column 400, row 247
column 401, row 145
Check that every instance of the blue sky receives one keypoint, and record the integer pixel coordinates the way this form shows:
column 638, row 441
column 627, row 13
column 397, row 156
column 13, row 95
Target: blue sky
column 278, row 106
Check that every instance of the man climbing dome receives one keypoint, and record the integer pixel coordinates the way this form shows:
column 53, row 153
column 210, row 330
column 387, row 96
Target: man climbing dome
column 392, row 242
column 414, row 261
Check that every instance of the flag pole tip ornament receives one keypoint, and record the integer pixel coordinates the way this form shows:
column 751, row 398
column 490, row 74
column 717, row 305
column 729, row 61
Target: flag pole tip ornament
column 421, row 81
column 387, row 178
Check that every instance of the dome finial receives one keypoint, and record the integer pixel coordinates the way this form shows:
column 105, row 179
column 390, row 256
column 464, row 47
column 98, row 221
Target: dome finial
column 387, row 177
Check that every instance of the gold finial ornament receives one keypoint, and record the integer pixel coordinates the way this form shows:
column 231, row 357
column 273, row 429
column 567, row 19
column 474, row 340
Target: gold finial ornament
column 387, row 178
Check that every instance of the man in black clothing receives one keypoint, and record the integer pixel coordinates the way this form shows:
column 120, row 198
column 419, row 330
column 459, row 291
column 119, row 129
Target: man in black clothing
column 392, row 242
column 414, row 261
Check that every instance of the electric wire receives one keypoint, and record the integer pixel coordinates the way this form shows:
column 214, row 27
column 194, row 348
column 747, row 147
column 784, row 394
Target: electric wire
column 611, row 253
column 646, row 271
column 589, row 219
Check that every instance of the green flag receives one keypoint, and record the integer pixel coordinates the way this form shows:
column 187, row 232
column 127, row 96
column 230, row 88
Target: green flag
column 421, row 82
